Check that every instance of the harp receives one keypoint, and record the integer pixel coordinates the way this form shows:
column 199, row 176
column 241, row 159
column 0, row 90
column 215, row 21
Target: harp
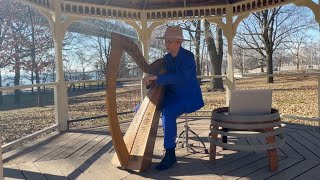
column 134, row 150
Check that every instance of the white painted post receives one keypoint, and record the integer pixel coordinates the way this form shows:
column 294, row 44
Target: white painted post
column 1, row 165
column 144, row 35
column 58, row 29
column 230, row 82
column 228, row 33
column 319, row 99
column 318, row 19
column 144, row 38
column 60, row 91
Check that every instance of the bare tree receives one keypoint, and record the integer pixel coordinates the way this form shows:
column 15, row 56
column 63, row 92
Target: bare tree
column 295, row 43
column 12, row 51
column 157, row 47
column 215, row 49
column 39, row 43
column 103, row 48
column 309, row 55
column 197, row 40
column 238, row 59
column 68, row 70
column 100, row 31
column 84, row 61
column 4, row 26
column 265, row 31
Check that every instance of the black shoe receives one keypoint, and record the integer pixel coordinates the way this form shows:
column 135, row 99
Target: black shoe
column 168, row 160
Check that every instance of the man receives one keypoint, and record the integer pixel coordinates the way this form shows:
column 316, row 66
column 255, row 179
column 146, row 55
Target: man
column 182, row 90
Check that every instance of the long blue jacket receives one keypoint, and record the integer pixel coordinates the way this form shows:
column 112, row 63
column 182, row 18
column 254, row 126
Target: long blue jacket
column 180, row 81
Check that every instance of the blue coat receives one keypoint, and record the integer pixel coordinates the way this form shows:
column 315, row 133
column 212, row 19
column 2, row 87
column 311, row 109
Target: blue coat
column 180, row 81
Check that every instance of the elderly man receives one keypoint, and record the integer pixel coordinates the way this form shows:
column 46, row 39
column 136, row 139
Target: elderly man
column 182, row 90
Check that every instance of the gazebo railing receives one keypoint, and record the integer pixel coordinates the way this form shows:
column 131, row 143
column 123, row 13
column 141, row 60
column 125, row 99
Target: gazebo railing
column 27, row 86
column 35, row 134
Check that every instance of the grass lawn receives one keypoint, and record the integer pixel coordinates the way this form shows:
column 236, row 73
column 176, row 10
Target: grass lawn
column 291, row 95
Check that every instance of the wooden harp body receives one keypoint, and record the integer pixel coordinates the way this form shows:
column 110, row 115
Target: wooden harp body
column 134, row 150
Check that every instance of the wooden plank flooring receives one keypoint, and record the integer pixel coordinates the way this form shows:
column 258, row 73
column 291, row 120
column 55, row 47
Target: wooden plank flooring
column 85, row 154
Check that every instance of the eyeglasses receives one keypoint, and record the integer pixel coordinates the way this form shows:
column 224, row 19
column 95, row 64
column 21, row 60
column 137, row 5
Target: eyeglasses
column 169, row 41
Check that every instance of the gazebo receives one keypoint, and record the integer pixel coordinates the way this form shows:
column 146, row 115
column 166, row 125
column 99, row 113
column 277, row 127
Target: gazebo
column 144, row 16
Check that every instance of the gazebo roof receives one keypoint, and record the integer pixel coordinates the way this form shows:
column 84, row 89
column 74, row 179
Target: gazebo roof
column 158, row 10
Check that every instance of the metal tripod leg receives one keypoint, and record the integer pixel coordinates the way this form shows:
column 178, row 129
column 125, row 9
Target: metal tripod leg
column 185, row 135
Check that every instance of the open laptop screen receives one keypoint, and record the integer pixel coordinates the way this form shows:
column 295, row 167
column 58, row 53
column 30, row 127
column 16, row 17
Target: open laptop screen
column 250, row 102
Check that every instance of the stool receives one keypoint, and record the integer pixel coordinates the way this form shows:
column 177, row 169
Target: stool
column 267, row 126
column 185, row 136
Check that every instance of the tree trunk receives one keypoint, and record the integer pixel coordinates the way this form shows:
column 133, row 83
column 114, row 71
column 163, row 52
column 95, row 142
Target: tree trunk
column 298, row 61
column 280, row 65
column 269, row 66
column 215, row 54
column 53, row 72
column 197, row 44
column 1, row 96
column 268, row 42
column 39, row 94
column 261, row 68
column 17, row 93
column 203, row 67
column 32, row 77
column 33, row 49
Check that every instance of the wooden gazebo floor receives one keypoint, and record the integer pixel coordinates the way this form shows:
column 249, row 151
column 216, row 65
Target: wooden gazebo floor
column 85, row 154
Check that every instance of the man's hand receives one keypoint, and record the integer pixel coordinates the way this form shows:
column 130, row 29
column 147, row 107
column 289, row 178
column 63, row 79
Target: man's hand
column 147, row 80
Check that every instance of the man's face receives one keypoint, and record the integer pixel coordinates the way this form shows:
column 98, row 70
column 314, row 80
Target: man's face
column 172, row 46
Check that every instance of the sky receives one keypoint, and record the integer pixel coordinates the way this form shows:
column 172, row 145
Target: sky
column 314, row 33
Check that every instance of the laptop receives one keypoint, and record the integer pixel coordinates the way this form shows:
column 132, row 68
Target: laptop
column 250, row 102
